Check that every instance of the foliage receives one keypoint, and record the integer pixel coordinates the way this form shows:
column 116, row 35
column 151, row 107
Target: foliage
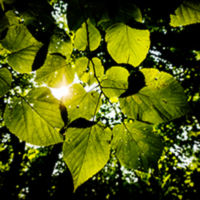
column 32, row 41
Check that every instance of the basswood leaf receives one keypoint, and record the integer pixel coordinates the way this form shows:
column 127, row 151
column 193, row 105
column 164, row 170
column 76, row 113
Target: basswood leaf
column 23, row 47
column 12, row 18
column 187, row 13
column 5, row 81
column 75, row 16
column 136, row 81
column 85, row 71
column 81, row 40
column 126, row 44
column 120, row 12
column 55, row 72
column 115, row 82
column 57, row 45
column 162, row 99
column 35, row 118
column 136, row 146
column 80, row 103
column 86, row 150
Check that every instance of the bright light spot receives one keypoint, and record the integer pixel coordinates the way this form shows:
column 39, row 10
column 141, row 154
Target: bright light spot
column 59, row 92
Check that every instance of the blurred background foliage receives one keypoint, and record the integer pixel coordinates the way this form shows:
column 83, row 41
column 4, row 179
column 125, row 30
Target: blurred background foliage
column 28, row 172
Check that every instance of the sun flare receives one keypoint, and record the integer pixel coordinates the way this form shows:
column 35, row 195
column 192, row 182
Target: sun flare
column 59, row 92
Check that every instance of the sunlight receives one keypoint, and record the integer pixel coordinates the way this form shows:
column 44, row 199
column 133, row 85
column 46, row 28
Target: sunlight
column 59, row 92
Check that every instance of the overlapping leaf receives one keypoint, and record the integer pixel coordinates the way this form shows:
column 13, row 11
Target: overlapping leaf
column 55, row 72
column 115, row 82
column 35, row 118
column 85, row 71
column 187, row 13
column 120, row 12
column 23, row 47
column 137, row 147
column 5, row 81
column 80, row 103
column 81, row 40
column 57, row 45
column 162, row 99
column 76, row 15
column 86, row 150
column 126, row 44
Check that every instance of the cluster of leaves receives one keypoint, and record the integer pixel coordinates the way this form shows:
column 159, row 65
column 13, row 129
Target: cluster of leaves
column 146, row 96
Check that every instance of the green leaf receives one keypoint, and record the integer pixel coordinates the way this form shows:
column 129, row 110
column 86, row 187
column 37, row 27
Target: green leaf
column 3, row 51
column 5, row 81
column 35, row 118
column 57, row 45
column 137, row 147
column 162, row 99
column 121, row 12
column 85, row 70
column 4, row 23
column 126, row 44
column 81, row 40
column 86, row 151
column 187, row 13
column 23, row 48
column 12, row 18
column 79, row 103
column 75, row 15
column 55, row 72
column 115, row 82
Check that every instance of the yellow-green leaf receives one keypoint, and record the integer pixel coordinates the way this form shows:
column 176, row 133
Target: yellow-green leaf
column 81, row 39
column 115, row 82
column 80, row 103
column 187, row 13
column 5, row 81
column 23, row 47
column 57, row 45
column 126, row 44
column 55, row 72
column 162, row 99
column 86, row 150
column 136, row 146
column 35, row 118
column 85, row 70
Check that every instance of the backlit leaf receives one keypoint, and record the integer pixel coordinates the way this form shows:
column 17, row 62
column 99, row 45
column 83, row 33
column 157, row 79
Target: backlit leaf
column 115, row 82
column 5, row 81
column 35, row 118
column 59, row 46
column 85, row 70
column 162, row 99
column 55, row 72
column 81, row 40
column 137, row 147
column 23, row 47
column 12, row 18
column 187, row 13
column 86, row 151
column 80, row 103
column 126, row 44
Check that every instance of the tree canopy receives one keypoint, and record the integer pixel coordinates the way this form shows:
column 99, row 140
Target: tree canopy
column 131, row 72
